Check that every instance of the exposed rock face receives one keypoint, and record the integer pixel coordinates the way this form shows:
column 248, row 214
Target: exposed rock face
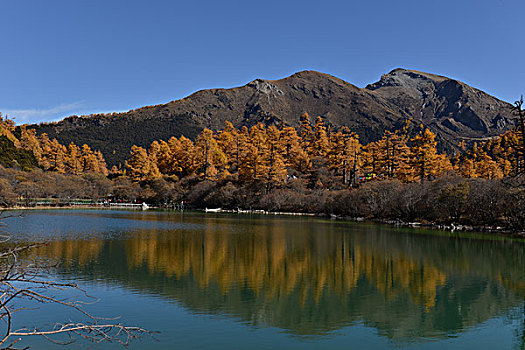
column 450, row 108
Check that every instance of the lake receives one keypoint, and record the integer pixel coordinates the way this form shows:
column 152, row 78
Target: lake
column 228, row 281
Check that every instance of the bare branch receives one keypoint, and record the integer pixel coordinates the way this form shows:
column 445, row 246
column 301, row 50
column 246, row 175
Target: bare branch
column 22, row 280
column 93, row 332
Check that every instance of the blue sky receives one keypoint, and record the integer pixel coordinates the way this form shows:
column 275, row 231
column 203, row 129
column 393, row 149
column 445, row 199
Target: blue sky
column 59, row 58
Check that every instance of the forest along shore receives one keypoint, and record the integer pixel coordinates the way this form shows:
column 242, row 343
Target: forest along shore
column 400, row 178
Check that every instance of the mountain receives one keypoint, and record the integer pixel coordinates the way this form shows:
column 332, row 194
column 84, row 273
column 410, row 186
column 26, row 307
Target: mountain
column 452, row 109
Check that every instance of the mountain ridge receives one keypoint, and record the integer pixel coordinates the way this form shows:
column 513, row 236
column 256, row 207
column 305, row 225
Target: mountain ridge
column 450, row 108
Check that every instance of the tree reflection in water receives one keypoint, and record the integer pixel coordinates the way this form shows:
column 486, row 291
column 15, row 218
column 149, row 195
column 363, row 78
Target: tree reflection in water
column 311, row 277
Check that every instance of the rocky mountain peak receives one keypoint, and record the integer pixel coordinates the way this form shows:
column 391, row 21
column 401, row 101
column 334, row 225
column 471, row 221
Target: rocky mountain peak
column 418, row 84
column 264, row 87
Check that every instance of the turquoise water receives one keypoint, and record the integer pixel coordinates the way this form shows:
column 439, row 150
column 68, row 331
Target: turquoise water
column 220, row 281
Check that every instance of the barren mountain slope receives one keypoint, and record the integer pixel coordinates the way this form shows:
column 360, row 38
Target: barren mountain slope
column 450, row 108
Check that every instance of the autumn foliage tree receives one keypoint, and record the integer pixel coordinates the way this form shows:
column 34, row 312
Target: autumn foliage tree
column 272, row 155
column 344, row 153
column 424, row 161
column 141, row 165
column 53, row 156
column 491, row 159
column 209, row 157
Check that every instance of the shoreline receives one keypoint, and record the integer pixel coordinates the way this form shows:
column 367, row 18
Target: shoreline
column 48, row 207
column 444, row 227
column 450, row 227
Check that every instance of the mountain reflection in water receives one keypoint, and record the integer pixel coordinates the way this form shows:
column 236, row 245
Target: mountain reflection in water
column 307, row 276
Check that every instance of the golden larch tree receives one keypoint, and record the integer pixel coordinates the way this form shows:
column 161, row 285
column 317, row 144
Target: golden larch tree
column 295, row 156
column 140, row 167
column 425, row 162
column 74, row 159
column 277, row 172
column 210, row 159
